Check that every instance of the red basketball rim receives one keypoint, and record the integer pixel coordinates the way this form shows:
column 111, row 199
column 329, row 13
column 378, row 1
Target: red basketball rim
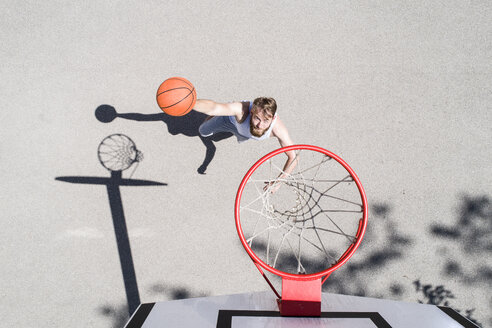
column 352, row 248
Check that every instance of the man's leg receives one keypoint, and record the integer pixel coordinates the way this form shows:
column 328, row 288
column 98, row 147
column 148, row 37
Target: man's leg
column 215, row 124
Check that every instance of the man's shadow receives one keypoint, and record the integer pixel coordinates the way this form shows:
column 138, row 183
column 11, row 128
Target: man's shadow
column 187, row 125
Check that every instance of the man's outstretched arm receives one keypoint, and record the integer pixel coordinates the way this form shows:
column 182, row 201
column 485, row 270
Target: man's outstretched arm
column 213, row 108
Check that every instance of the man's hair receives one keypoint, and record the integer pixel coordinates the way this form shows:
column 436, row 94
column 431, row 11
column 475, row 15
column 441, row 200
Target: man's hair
column 268, row 106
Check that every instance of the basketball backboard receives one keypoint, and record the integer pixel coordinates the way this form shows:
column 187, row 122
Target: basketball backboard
column 260, row 310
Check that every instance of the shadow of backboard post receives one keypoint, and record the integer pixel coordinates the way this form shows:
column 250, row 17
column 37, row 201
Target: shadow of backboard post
column 113, row 184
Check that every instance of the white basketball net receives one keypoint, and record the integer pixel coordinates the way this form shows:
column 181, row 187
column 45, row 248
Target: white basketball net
column 310, row 221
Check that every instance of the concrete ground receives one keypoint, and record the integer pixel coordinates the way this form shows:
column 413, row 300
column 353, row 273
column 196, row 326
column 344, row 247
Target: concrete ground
column 401, row 91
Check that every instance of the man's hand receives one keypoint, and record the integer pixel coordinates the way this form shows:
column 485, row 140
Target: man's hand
column 272, row 186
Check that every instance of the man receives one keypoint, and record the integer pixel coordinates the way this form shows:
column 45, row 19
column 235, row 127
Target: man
column 247, row 120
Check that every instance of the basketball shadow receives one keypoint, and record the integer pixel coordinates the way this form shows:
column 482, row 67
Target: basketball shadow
column 186, row 125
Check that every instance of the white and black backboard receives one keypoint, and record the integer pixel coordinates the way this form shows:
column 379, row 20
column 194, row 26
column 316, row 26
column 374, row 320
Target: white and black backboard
column 260, row 310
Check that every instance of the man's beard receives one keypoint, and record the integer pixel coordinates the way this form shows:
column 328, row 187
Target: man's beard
column 256, row 132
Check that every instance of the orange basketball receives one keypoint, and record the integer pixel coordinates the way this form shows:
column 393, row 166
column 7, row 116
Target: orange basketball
column 176, row 96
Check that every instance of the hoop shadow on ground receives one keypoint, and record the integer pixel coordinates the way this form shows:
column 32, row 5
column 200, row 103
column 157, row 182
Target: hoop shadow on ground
column 187, row 125
column 119, row 223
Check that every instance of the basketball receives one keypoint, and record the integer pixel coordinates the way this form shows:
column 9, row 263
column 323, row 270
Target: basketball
column 176, row 96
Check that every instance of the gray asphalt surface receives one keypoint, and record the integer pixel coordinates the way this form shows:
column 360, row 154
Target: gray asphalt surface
column 401, row 91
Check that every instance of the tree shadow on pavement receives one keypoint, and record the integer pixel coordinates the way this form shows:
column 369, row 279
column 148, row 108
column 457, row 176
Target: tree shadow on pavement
column 440, row 296
column 469, row 237
column 383, row 244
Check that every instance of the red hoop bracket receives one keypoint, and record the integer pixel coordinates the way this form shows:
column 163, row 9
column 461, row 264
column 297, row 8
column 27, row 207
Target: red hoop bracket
column 300, row 297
